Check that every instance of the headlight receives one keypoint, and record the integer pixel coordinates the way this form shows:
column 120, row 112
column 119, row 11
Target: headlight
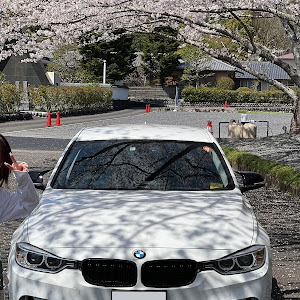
column 246, row 260
column 33, row 258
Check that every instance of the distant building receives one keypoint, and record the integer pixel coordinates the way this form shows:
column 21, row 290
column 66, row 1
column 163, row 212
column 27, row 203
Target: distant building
column 289, row 58
column 16, row 71
column 211, row 69
column 272, row 71
column 25, row 74
column 216, row 68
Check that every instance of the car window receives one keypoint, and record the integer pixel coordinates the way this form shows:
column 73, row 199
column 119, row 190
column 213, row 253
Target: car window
column 135, row 165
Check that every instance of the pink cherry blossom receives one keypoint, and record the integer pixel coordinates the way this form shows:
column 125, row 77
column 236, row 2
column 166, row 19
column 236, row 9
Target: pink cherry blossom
column 39, row 27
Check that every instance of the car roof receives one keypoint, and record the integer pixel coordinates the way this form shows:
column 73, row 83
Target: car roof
column 145, row 132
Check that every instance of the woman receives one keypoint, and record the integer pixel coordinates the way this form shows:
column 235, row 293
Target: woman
column 19, row 204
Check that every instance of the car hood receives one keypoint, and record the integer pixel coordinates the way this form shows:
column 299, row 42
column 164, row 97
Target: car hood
column 149, row 219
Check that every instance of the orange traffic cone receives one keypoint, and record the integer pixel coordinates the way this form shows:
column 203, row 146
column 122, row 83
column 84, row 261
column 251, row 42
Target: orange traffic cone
column 209, row 127
column 57, row 119
column 225, row 104
column 148, row 107
column 146, row 110
column 49, row 120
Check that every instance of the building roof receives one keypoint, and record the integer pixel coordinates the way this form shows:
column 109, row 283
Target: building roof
column 269, row 69
column 210, row 64
column 287, row 56
column 31, row 72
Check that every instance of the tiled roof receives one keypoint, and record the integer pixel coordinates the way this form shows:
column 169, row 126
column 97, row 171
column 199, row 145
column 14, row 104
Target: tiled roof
column 267, row 68
column 210, row 64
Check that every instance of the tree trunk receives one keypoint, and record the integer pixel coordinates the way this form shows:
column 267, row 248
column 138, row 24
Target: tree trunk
column 295, row 123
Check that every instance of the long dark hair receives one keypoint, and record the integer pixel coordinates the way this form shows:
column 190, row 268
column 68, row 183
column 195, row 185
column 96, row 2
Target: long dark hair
column 4, row 157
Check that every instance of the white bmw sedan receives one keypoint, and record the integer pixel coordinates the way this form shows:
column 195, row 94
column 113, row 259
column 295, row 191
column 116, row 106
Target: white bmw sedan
column 142, row 213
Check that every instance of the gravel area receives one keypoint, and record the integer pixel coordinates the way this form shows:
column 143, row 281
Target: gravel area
column 279, row 213
column 283, row 148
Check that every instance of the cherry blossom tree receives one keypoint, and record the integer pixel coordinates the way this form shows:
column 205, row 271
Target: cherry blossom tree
column 40, row 26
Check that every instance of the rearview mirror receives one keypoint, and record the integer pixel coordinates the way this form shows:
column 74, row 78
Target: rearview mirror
column 36, row 176
column 251, row 180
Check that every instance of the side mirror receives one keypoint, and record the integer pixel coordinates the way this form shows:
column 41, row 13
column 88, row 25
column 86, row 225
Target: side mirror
column 36, row 176
column 251, row 180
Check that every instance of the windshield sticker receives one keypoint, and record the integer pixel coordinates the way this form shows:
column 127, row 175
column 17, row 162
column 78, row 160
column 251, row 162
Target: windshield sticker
column 132, row 149
column 216, row 186
column 207, row 149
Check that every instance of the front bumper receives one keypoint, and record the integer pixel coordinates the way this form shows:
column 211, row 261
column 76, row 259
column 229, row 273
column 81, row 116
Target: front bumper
column 70, row 284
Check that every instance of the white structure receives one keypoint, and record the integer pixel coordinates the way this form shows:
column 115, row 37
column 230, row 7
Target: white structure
column 53, row 78
column 104, row 72
column 119, row 92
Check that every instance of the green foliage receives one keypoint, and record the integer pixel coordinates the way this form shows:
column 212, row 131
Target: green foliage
column 10, row 98
column 160, row 55
column 271, row 32
column 236, row 26
column 274, row 171
column 190, row 54
column 44, row 96
column 205, row 94
column 225, row 83
column 85, row 64
column 119, row 55
column 3, row 78
column 273, row 89
column 194, row 59
column 69, row 98
column 243, row 89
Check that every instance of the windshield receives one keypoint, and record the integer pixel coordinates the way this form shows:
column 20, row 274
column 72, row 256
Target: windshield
column 136, row 164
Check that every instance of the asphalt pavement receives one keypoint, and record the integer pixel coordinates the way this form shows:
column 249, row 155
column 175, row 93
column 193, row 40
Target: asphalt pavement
column 41, row 146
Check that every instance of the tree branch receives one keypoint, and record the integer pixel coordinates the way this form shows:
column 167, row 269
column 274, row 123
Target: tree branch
column 263, row 9
column 247, row 30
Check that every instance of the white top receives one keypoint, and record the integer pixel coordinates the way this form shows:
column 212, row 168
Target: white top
column 19, row 204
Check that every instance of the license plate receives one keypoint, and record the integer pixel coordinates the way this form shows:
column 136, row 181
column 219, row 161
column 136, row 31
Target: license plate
column 136, row 295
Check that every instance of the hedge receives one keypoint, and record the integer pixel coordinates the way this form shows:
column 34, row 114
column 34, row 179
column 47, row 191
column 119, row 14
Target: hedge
column 48, row 98
column 69, row 98
column 205, row 94
column 10, row 98
column 282, row 176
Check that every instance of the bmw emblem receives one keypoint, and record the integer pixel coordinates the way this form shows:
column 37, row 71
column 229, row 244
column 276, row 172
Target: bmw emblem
column 139, row 254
